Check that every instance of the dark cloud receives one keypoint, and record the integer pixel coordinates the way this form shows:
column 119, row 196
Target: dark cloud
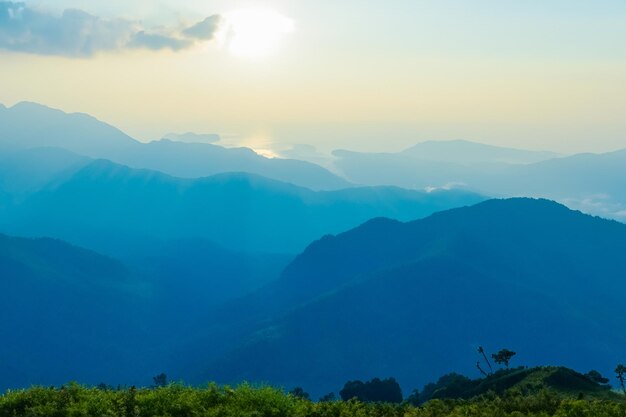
column 76, row 33
column 205, row 29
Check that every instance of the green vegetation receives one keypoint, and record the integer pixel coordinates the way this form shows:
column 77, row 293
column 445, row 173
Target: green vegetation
column 247, row 401
column 560, row 381
column 376, row 390
column 541, row 392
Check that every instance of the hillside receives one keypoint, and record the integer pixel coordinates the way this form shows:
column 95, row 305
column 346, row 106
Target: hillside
column 109, row 207
column 76, row 303
column 24, row 172
column 414, row 300
column 558, row 380
column 104, row 320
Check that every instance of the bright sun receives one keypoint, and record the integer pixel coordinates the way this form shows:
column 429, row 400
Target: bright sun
column 253, row 33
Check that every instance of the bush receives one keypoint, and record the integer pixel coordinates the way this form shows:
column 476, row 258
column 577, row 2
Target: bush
column 376, row 390
column 248, row 401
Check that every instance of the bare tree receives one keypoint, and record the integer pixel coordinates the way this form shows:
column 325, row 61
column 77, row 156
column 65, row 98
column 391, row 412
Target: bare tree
column 482, row 352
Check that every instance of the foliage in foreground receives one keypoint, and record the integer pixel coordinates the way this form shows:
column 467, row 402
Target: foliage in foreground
column 247, row 401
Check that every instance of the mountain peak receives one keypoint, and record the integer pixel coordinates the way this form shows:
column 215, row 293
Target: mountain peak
column 25, row 104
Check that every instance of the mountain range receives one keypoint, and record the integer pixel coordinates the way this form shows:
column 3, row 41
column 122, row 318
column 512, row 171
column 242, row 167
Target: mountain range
column 412, row 300
column 593, row 183
column 67, row 314
column 103, row 319
column 415, row 300
column 30, row 125
column 127, row 259
column 107, row 207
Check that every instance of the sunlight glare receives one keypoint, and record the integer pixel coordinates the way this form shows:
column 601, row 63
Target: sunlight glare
column 253, row 33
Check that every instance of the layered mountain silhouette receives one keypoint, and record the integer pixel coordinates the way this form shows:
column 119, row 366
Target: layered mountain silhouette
column 30, row 125
column 185, row 262
column 191, row 137
column 593, row 183
column 25, row 172
column 108, row 320
column 109, row 207
column 67, row 314
column 461, row 152
column 415, row 300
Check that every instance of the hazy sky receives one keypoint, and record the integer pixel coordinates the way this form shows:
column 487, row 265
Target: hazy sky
column 369, row 75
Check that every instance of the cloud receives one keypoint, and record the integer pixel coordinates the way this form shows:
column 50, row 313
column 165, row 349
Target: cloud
column 156, row 41
column 205, row 29
column 76, row 33
column 446, row 187
column 602, row 205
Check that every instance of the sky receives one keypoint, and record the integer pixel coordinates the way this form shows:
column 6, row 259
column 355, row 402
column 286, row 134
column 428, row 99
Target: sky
column 352, row 74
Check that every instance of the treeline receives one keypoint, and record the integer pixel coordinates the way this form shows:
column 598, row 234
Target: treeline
column 247, row 401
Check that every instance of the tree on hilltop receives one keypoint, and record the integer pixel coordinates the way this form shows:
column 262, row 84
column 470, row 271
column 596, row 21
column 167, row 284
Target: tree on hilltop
column 595, row 376
column 503, row 357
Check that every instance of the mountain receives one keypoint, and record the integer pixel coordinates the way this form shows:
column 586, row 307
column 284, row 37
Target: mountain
column 415, row 300
column 111, row 208
column 461, row 152
column 194, row 160
column 193, row 274
column 30, row 125
column 191, row 137
column 65, row 311
column 593, row 183
column 104, row 320
column 435, row 164
column 27, row 171
column 470, row 153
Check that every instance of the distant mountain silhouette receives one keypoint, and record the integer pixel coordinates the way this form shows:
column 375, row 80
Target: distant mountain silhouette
column 593, row 183
column 414, row 300
column 194, row 160
column 30, row 125
column 467, row 153
column 27, row 171
column 110, row 207
column 191, row 137
column 461, row 152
